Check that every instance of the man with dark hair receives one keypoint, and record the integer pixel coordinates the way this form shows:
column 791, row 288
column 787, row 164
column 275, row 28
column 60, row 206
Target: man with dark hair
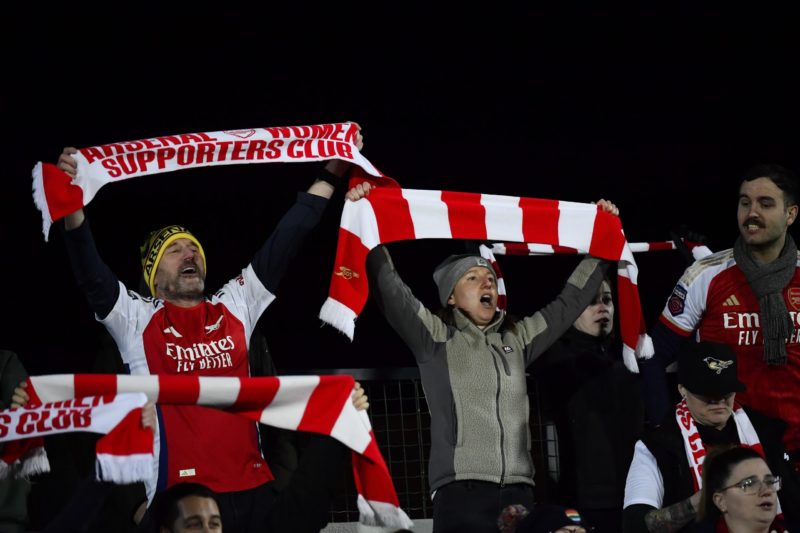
column 747, row 297
column 188, row 507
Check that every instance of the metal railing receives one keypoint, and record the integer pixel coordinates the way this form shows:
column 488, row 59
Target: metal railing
column 401, row 423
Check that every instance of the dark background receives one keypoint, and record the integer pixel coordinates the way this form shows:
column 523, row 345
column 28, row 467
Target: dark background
column 657, row 110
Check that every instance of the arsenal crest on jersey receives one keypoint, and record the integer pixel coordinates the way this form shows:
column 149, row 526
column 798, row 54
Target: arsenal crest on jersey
column 793, row 296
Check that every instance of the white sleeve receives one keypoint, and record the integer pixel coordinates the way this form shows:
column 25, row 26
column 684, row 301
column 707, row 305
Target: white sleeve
column 689, row 299
column 644, row 484
column 126, row 322
column 246, row 297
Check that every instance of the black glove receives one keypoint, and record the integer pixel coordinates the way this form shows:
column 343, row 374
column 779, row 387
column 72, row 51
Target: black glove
column 682, row 234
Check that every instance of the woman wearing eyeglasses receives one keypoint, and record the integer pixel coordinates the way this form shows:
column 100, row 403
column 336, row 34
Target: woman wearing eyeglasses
column 662, row 492
column 740, row 493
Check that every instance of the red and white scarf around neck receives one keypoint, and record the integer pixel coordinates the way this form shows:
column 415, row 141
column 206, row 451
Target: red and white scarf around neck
column 57, row 195
column 693, row 444
column 104, row 404
column 391, row 214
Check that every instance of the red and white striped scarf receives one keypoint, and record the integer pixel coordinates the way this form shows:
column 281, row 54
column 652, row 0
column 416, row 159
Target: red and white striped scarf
column 693, row 444
column 318, row 404
column 699, row 251
column 57, row 195
column 391, row 214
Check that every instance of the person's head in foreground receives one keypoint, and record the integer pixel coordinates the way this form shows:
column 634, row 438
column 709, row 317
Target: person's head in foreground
column 739, row 487
column 544, row 518
column 188, row 507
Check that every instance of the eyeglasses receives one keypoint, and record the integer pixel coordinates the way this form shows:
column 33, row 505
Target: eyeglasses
column 752, row 485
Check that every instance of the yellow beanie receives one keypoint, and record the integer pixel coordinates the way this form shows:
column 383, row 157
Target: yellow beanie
column 153, row 249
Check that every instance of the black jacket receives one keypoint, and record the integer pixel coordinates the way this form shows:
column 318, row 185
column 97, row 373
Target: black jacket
column 596, row 405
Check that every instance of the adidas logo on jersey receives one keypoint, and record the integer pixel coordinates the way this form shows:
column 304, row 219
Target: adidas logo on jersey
column 731, row 301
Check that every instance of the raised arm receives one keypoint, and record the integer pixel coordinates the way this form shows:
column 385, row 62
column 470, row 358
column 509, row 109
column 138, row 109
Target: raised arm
column 272, row 260
column 547, row 325
column 98, row 283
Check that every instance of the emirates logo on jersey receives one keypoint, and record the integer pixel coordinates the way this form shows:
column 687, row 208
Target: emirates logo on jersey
column 201, row 355
column 793, row 295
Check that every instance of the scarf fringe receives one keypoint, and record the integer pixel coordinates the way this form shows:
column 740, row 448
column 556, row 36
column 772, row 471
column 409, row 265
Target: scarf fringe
column 699, row 252
column 644, row 347
column 629, row 359
column 40, row 199
column 338, row 315
column 382, row 514
column 35, row 462
column 124, row 469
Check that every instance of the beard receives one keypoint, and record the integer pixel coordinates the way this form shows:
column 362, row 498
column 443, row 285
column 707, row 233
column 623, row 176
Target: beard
column 180, row 288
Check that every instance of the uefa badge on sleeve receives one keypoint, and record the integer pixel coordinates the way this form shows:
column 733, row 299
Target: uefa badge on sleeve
column 677, row 301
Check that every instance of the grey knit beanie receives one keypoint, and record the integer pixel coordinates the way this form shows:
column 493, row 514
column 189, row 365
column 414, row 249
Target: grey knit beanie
column 449, row 271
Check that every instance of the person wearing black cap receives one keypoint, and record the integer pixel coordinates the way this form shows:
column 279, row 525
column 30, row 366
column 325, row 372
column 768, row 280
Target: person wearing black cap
column 472, row 360
column 662, row 492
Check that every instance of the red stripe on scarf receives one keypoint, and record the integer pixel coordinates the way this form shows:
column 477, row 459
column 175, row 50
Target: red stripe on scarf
column 662, row 246
column 177, row 390
column 466, row 214
column 607, row 239
column 252, row 396
column 317, row 417
column 349, row 280
column 630, row 320
column 369, row 482
column 393, row 215
column 95, row 385
column 517, row 248
column 539, row 220
column 63, row 198
column 564, row 249
column 128, row 436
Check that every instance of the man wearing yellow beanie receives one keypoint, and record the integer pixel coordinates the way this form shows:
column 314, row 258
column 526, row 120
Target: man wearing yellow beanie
column 176, row 329
column 184, row 274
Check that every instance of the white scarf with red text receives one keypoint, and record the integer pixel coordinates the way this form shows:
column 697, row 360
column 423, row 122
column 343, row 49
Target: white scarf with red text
column 57, row 195
column 103, row 404
column 693, row 444
column 392, row 214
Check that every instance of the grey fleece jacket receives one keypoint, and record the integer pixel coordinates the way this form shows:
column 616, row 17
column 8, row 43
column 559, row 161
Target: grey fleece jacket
column 474, row 380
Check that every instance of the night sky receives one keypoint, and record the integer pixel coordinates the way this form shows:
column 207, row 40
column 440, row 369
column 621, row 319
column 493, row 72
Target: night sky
column 659, row 112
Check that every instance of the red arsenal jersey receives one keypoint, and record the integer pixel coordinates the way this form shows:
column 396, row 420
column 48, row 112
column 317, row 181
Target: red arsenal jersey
column 197, row 444
column 714, row 298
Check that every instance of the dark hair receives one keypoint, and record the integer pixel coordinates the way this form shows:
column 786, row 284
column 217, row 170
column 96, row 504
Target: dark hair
column 446, row 314
column 781, row 176
column 165, row 506
column 717, row 470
